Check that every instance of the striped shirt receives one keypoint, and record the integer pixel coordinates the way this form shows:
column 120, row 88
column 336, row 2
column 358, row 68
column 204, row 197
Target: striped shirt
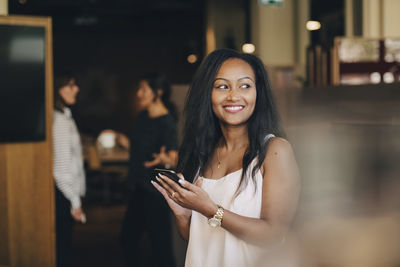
column 67, row 160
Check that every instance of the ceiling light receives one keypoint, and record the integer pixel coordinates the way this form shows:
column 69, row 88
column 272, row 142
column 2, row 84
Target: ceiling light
column 313, row 25
column 248, row 48
column 192, row 58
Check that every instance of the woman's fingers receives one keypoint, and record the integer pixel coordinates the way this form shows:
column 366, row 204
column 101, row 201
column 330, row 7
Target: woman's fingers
column 77, row 214
column 184, row 185
column 165, row 185
column 173, row 185
column 176, row 208
column 188, row 186
column 199, row 182
column 160, row 189
column 166, row 196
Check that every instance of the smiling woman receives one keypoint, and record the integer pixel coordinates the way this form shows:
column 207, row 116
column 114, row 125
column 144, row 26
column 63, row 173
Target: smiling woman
column 246, row 181
column 234, row 94
column 68, row 170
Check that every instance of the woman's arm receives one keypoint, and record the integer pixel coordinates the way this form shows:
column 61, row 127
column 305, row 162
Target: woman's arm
column 281, row 187
column 62, row 158
column 173, row 158
column 183, row 224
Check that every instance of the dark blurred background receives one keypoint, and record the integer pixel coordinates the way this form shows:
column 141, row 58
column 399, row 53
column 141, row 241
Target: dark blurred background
column 108, row 45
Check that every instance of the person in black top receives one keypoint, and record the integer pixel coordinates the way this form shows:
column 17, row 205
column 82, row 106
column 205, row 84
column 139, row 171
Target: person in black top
column 153, row 144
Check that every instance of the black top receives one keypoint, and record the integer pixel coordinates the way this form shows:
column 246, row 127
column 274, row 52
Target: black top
column 147, row 138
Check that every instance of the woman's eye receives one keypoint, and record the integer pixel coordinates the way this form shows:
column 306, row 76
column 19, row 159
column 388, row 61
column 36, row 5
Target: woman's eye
column 222, row 86
column 245, row 86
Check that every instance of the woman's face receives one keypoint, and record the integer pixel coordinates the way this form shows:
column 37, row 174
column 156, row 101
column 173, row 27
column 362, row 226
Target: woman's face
column 68, row 92
column 145, row 95
column 234, row 93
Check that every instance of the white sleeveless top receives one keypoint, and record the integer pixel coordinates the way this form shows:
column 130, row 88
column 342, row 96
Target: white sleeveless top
column 216, row 247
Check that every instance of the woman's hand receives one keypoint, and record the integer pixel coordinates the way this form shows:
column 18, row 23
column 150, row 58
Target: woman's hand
column 78, row 215
column 158, row 159
column 122, row 140
column 190, row 196
column 182, row 214
column 163, row 158
column 177, row 209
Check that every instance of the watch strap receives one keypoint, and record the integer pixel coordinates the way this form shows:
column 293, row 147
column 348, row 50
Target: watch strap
column 216, row 220
column 219, row 214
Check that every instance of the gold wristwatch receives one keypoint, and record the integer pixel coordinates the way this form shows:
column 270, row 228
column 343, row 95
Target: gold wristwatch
column 216, row 220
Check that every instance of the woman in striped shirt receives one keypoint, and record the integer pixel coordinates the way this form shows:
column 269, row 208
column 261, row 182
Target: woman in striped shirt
column 67, row 166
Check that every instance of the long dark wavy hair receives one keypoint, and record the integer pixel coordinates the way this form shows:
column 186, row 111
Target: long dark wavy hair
column 202, row 129
column 158, row 81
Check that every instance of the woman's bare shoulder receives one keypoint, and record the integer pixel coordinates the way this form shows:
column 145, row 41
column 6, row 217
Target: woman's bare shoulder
column 279, row 151
column 278, row 146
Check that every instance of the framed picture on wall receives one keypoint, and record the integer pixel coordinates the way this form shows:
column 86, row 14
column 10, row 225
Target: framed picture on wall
column 22, row 83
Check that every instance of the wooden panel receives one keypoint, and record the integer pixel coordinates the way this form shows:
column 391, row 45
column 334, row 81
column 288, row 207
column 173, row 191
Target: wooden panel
column 25, row 20
column 30, row 221
column 4, row 246
column 26, row 170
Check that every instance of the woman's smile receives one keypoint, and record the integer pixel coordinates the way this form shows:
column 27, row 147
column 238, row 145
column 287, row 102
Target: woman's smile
column 233, row 108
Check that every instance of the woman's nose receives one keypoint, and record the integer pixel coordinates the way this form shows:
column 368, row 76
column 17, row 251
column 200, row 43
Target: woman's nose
column 232, row 95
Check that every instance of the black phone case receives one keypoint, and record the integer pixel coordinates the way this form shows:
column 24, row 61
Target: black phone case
column 170, row 174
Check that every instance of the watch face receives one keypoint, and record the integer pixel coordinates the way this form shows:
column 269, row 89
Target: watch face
column 213, row 222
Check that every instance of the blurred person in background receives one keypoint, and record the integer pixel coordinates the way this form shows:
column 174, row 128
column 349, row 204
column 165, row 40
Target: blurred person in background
column 67, row 166
column 246, row 181
column 152, row 143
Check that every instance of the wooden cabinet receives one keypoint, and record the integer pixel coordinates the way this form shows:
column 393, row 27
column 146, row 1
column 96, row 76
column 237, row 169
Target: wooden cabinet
column 27, row 226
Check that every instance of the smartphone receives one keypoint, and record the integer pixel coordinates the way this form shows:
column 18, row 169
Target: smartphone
column 170, row 174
